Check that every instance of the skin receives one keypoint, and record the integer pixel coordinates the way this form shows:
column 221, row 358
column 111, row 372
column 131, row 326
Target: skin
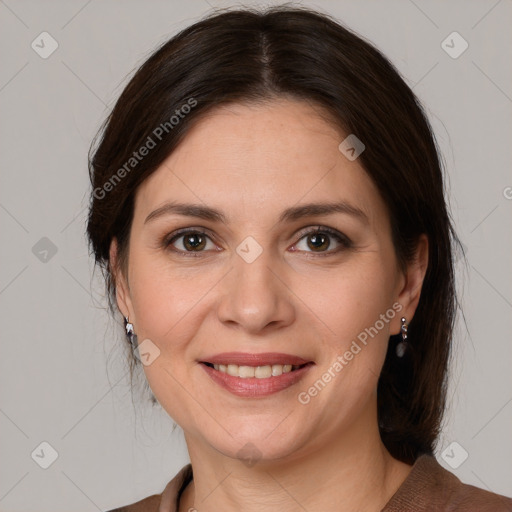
column 252, row 162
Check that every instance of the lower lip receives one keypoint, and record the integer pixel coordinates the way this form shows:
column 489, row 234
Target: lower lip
column 251, row 386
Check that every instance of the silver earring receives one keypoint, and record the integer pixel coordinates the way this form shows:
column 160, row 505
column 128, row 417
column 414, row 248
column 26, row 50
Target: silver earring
column 132, row 337
column 402, row 346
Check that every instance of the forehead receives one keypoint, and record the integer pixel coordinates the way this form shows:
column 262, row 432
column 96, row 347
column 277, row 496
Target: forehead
column 241, row 158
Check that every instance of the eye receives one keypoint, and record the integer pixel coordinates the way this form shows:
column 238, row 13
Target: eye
column 320, row 239
column 189, row 241
column 192, row 242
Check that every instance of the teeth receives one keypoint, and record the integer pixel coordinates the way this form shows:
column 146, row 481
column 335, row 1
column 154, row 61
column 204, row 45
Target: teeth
column 260, row 372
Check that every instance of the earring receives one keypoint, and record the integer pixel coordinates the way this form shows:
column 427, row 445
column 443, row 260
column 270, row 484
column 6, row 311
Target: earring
column 132, row 337
column 402, row 346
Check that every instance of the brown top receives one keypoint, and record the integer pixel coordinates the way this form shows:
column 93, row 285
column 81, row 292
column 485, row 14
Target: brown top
column 428, row 488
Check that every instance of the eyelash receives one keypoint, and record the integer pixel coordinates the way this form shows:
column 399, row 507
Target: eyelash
column 345, row 242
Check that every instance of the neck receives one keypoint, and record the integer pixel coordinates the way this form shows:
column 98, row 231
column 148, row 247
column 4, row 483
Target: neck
column 352, row 469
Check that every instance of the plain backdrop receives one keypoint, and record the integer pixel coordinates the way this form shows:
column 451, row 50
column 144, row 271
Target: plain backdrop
column 63, row 378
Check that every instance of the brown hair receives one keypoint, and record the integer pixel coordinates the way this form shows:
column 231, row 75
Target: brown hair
column 246, row 56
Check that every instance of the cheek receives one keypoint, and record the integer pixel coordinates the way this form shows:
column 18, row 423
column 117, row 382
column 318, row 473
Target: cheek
column 356, row 306
column 351, row 298
column 167, row 301
column 169, row 306
column 355, row 302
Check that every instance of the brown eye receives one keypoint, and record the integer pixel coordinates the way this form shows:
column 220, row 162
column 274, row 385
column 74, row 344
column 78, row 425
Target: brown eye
column 194, row 242
column 189, row 241
column 323, row 241
column 318, row 241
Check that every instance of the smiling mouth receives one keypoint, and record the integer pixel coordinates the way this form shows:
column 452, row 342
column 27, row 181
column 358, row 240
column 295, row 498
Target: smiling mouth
column 258, row 372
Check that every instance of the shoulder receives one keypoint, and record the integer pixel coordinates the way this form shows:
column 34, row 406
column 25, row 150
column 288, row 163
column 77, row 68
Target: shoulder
column 167, row 500
column 430, row 487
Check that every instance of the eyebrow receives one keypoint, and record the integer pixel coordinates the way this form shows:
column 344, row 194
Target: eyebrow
column 290, row 214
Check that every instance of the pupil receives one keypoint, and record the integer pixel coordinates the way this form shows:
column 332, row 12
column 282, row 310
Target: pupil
column 318, row 240
column 194, row 241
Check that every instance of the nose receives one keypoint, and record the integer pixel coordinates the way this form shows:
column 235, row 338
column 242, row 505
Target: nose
column 255, row 296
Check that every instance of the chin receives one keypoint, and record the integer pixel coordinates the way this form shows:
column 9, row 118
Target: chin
column 257, row 446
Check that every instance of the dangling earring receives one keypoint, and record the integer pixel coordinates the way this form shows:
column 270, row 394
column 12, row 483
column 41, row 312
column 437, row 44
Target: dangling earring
column 132, row 337
column 402, row 346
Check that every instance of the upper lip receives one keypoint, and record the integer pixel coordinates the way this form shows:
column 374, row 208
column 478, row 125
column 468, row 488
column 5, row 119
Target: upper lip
column 247, row 359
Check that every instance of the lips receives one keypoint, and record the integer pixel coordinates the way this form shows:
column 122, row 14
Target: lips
column 246, row 359
column 247, row 375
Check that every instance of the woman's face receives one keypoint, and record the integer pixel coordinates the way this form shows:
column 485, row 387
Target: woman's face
column 255, row 280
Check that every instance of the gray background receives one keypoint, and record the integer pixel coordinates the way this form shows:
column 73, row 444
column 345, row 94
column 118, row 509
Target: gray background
column 57, row 341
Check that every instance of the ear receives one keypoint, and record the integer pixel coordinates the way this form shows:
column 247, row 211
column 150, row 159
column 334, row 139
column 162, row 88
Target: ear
column 123, row 298
column 412, row 282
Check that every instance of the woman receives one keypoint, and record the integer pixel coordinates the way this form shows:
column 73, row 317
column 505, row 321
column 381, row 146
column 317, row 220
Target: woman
column 268, row 210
